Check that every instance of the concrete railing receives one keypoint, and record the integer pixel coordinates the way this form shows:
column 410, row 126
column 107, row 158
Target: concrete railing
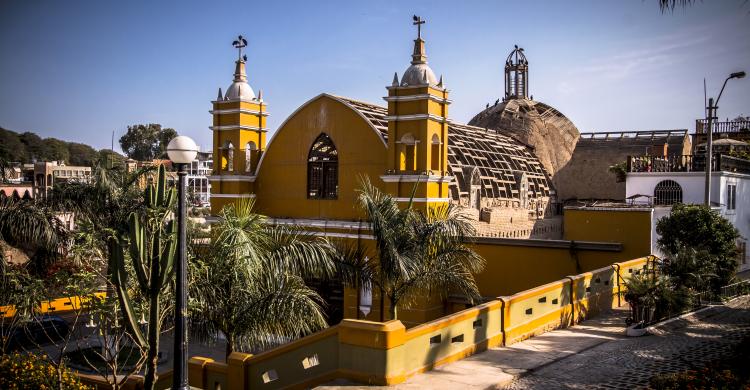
column 386, row 353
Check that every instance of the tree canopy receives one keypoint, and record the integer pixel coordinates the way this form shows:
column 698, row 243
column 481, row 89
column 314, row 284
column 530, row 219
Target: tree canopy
column 28, row 147
column 146, row 142
column 699, row 243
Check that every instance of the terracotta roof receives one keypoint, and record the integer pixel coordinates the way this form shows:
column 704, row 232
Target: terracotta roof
column 497, row 157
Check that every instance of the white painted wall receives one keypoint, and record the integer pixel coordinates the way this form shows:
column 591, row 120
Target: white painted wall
column 693, row 190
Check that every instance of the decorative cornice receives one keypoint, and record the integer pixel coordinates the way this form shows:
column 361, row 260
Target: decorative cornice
column 539, row 243
column 320, row 223
column 237, row 127
column 416, row 178
column 238, row 110
column 423, row 96
column 232, row 178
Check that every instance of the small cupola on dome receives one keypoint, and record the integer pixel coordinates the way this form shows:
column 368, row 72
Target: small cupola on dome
column 418, row 73
column 516, row 75
column 240, row 89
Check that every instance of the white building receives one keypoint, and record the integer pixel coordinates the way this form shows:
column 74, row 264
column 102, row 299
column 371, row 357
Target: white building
column 661, row 183
column 197, row 179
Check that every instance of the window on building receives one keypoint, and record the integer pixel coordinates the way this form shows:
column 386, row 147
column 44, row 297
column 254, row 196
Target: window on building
column 322, row 169
column 408, row 153
column 667, row 193
column 731, row 196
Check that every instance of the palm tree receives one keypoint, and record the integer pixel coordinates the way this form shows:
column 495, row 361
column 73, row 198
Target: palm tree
column 248, row 284
column 35, row 228
column 417, row 253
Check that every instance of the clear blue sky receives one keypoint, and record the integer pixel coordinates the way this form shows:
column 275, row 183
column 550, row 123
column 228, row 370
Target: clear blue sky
column 78, row 70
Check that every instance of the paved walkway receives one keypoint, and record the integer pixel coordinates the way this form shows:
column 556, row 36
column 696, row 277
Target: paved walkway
column 594, row 354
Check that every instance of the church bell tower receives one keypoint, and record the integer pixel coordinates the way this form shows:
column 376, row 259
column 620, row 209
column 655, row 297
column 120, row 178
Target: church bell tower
column 239, row 137
column 418, row 133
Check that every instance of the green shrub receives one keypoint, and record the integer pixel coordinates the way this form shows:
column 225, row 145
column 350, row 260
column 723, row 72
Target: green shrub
column 28, row 371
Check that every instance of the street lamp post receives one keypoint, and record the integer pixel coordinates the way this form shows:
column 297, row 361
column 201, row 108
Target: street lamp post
column 182, row 151
column 712, row 107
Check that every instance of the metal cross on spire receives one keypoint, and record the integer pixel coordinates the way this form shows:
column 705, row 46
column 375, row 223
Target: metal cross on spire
column 239, row 44
column 418, row 21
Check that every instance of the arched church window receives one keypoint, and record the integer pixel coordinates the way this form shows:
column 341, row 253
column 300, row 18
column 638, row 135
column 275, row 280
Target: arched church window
column 250, row 150
column 408, row 152
column 667, row 192
column 435, row 153
column 322, row 169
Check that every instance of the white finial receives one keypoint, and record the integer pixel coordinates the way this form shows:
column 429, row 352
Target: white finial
column 220, row 97
column 395, row 79
column 260, row 95
column 424, row 76
column 440, row 83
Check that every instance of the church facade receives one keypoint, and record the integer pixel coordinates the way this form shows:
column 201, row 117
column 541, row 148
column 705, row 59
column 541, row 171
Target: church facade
column 308, row 173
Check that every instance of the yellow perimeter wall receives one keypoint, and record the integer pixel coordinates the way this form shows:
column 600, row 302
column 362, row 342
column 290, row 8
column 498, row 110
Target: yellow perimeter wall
column 629, row 226
column 387, row 353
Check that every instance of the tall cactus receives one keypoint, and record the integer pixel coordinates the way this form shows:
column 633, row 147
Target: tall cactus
column 151, row 244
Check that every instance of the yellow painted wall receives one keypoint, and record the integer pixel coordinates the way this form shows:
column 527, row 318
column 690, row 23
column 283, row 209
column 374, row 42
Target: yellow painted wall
column 630, row 227
column 386, row 353
column 281, row 185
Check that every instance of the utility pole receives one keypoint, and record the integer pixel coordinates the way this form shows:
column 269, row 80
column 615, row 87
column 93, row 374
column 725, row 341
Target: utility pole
column 712, row 107
column 709, row 148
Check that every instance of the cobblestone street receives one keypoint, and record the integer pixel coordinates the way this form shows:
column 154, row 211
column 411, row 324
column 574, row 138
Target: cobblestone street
column 627, row 363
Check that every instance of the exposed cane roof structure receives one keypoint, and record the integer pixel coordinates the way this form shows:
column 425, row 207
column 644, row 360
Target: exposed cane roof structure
column 497, row 159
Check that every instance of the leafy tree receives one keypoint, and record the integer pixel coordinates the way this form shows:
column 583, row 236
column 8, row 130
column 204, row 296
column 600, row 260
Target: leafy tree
column 249, row 283
column 11, row 147
column 34, row 228
column 54, row 150
column 81, row 154
column 704, row 230
column 34, row 146
column 146, row 142
column 417, row 254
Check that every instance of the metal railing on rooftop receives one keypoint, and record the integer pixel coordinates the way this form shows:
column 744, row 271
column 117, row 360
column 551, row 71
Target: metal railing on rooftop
column 722, row 127
column 686, row 163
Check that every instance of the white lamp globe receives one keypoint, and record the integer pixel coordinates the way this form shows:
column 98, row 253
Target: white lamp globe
column 182, row 150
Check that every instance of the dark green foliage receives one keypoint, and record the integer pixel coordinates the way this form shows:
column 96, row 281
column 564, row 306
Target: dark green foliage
column 646, row 292
column 703, row 230
column 11, row 147
column 418, row 253
column 146, row 142
column 81, row 154
column 33, row 228
column 29, row 147
column 54, row 150
column 248, row 283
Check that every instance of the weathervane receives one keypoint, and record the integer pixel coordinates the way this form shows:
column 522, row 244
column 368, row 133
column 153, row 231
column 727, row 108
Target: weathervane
column 239, row 44
column 418, row 22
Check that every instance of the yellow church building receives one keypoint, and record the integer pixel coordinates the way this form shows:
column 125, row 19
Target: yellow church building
column 307, row 174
